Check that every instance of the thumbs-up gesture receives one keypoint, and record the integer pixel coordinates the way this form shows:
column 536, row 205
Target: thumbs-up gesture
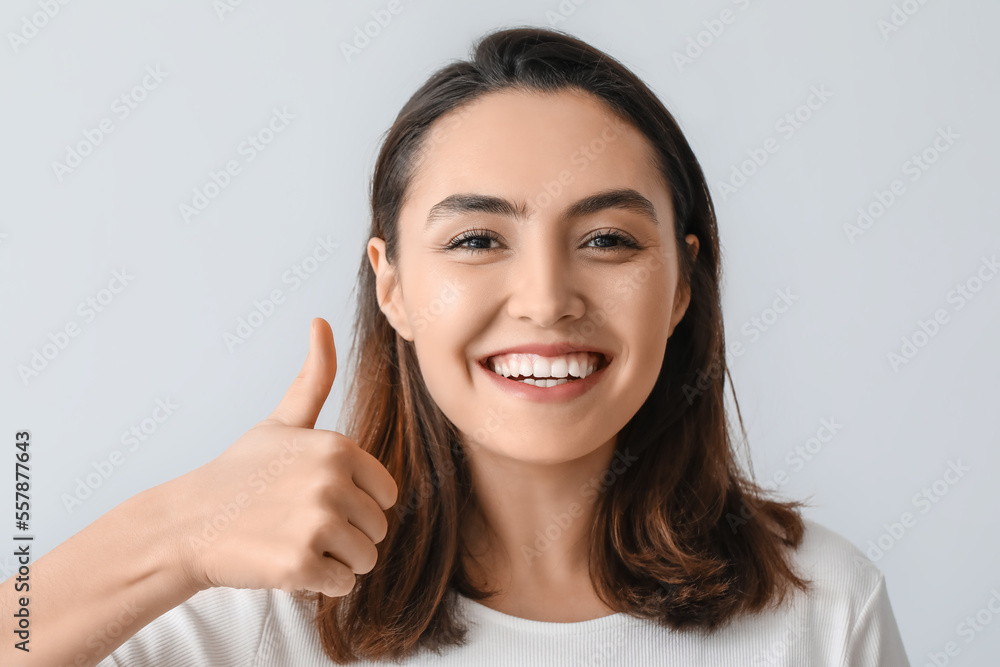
column 288, row 506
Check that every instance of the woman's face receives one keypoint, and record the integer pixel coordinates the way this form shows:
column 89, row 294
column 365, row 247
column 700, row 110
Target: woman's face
column 557, row 266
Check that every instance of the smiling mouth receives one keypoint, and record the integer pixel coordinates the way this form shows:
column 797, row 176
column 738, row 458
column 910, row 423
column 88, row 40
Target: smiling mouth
column 546, row 371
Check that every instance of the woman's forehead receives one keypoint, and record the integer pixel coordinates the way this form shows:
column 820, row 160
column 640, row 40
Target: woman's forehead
column 541, row 147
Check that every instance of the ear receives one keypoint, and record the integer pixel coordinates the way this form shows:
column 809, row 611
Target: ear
column 682, row 298
column 387, row 289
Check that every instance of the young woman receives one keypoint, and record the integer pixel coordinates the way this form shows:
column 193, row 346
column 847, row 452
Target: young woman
column 537, row 466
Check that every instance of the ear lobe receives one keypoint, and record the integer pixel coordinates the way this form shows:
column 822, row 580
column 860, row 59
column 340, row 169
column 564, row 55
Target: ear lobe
column 682, row 298
column 387, row 289
column 681, row 301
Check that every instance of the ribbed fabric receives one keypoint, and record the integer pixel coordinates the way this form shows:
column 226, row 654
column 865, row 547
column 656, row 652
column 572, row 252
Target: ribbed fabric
column 846, row 621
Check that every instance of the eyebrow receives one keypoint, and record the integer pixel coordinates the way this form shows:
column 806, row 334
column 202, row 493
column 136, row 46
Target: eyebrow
column 464, row 203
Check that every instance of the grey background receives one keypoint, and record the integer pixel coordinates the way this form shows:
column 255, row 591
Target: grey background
column 824, row 358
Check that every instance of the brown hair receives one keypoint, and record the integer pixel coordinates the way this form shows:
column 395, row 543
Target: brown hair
column 686, row 538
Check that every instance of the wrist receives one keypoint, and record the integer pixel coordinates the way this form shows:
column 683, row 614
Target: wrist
column 165, row 510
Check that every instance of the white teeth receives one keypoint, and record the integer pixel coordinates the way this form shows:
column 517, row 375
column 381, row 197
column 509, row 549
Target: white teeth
column 544, row 371
column 544, row 383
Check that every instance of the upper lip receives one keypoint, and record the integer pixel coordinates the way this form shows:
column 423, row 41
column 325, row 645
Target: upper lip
column 547, row 350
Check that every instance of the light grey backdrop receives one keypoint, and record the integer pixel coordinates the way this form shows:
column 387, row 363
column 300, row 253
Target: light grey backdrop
column 801, row 114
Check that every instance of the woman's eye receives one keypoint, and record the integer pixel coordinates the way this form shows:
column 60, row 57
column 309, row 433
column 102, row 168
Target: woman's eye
column 479, row 240
column 619, row 241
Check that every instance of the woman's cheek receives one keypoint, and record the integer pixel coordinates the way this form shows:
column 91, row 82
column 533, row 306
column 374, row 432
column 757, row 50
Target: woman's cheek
column 440, row 303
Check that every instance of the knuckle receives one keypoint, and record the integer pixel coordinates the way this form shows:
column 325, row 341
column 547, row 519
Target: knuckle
column 318, row 498
column 395, row 493
column 336, row 441
column 322, row 524
column 335, row 517
column 368, row 559
column 339, row 452
column 318, row 538
column 381, row 528
column 340, row 581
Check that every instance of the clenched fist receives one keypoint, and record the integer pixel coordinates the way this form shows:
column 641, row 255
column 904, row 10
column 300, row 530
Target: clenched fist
column 288, row 506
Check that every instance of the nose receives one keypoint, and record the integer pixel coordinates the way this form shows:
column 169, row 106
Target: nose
column 543, row 288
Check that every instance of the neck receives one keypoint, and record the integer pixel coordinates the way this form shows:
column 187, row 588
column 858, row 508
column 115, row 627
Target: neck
column 529, row 532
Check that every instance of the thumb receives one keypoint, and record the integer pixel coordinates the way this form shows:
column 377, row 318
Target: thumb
column 303, row 401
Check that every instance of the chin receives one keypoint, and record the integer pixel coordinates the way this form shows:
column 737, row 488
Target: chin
column 539, row 451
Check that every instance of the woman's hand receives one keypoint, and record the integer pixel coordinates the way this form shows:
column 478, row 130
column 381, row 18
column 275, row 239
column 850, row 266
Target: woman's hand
column 288, row 506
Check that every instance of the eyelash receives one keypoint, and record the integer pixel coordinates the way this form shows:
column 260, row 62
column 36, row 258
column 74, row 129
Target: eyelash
column 624, row 242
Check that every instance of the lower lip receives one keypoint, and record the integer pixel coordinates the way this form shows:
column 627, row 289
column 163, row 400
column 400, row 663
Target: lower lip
column 560, row 392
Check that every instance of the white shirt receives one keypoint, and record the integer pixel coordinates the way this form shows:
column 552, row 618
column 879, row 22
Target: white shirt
column 847, row 621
